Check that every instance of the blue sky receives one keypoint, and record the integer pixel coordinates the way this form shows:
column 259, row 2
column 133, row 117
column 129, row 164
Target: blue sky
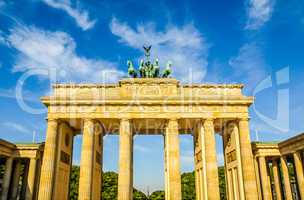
column 255, row 42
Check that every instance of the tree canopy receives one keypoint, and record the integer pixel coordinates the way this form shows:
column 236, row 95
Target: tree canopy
column 110, row 186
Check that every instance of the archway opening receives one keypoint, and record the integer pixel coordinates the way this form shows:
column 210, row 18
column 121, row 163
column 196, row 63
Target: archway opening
column 221, row 165
column 187, row 166
column 148, row 171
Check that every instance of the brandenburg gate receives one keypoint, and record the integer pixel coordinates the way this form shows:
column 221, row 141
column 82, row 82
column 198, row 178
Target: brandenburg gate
column 148, row 106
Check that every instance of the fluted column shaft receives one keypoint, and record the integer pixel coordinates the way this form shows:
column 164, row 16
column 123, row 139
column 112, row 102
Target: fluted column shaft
column 7, row 178
column 200, row 161
column 49, row 161
column 250, row 184
column 266, row 188
column 172, row 161
column 287, row 187
column 299, row 172
column 30, row 189
column 87, row 159
column 277, row 182
column 24, row 180
column 16, row 178
column 211, row 160
column 257, row 175
column 125, row 175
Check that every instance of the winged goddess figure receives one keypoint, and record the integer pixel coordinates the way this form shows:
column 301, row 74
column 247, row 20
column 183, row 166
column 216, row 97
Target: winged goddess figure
column 147, row 50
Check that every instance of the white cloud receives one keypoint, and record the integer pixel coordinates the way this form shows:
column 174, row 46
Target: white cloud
column 187, row 158
column 16, row 127
column 184, row 46
column 2, row 37
column 81, row 17
column 248, row 66
column 141, row 148
column 258, row 13
column 38, row 49
column 220, row 159
column 26, row 95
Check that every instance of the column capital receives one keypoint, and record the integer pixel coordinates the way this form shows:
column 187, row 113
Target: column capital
column 172, row 122
column 88, row 119
column 209, row 119
column 208, row 122
column 172, row 119
column 125, row 119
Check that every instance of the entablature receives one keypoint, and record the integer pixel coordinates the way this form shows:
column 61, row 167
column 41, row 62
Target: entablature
column 147, row 90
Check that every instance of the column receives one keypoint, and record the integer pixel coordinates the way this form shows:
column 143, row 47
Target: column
column 16, row 178
column 265, row 180
column 199, row 161
column 257, row 175
column 172, row 161
column 299, row 172
column 288, row 193
column 24, row 180
column 239, row 161
column 125, row 176
column 276, row 177
column 7, row 178
column 49, row 161
column 30, row 189
column 250, row 184
column 87, row 159
column 211, row 160
column 97, row 173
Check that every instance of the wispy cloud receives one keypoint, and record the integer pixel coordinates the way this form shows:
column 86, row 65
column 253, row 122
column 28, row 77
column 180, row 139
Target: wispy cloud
column 141, row 148
column 2, row 37
column 26, row 95
column 16, row 127
column 80, row 16
column 248, row 65
column 39, row 49
column 187, row 158
column 258, row 13
column 220, row 159
column 184, row 46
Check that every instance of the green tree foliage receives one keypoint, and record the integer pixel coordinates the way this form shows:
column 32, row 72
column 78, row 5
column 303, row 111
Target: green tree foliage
column 74, row 182
column 109, row 186
column 157, row 195
column 222, row 183
column 188, row 186
column 110, row 182
column 138, row 195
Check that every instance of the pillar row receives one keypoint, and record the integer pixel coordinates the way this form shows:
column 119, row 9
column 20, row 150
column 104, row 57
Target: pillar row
column 7, row 178
column 125, row 174
column 91, row 159
column 16, row 178
column 30, row 189
column 287, row 187
column 49, row 161
column 265, row 179
column 250, row 185
column 172, row 162
column 211, row 160
column 200, row 162
column 277, row 181
column 299, row 172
